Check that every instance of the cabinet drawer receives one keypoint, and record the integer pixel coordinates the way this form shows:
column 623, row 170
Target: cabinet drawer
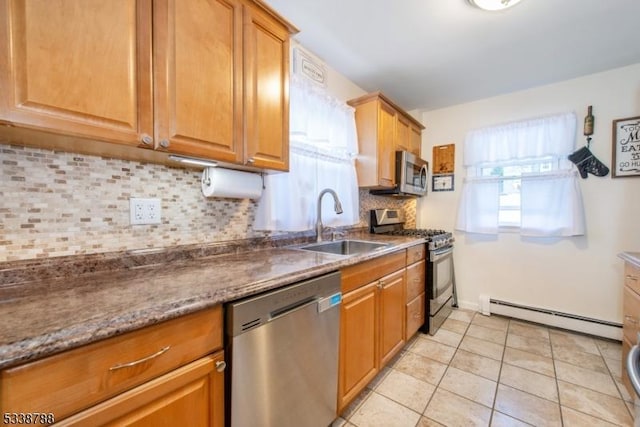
column 415, row 315
column 632, row 277
column 68, row 382
column 190, row 396
column 630, row 314
column 415, row 253
column 415, row 280
column 357, row 275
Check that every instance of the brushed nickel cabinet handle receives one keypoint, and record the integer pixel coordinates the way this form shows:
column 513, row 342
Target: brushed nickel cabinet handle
column 630, row 277
column 221, row 365
column 146, row 139
column 631, row 319
column 162, row 351
column 164, row 143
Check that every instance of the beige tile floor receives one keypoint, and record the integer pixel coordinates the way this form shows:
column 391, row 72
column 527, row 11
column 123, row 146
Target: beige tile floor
column 493, row 371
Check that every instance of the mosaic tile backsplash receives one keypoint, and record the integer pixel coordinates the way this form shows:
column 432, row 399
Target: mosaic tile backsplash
column 56, row 204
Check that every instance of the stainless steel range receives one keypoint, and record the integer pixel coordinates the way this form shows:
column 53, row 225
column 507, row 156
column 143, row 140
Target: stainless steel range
column 440, row 278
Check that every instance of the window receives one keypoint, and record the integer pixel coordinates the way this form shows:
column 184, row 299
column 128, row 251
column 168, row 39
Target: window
column 510, row 174
column 323, row 145
column 518, row 175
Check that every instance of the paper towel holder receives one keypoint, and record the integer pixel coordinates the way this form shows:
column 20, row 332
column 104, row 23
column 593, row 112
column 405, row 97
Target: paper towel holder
column 193, row 161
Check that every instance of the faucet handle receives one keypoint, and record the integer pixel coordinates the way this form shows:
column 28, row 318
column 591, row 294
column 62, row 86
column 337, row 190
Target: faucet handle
column 336, row 233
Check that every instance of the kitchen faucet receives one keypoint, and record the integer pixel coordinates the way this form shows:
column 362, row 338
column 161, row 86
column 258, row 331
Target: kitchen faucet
column 337, row 206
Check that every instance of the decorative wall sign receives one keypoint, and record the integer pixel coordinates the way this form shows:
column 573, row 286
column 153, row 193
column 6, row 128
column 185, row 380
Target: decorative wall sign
column 626, row 147
column 305, row 65
column 443, row 167
column 442, row 182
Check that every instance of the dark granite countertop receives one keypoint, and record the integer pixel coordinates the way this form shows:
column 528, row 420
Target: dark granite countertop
column 57, row 312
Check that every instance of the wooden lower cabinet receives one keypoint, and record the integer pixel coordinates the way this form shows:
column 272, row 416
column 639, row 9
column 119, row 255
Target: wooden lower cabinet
column 358, row 342
column 391, row 315
column 631, row 317
column 170, row 373
column 192, row 395
column 371, row 323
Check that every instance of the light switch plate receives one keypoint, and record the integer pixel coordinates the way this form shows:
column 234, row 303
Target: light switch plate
column 144, row 211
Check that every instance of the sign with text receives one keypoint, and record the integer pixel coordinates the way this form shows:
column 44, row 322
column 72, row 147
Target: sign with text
column 626, row 147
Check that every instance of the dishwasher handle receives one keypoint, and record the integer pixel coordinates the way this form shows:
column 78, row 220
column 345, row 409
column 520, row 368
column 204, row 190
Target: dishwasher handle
column 633, row 368
column 324, row 304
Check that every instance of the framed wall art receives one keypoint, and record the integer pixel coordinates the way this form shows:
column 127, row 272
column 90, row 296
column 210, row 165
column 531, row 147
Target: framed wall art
column 626, row 147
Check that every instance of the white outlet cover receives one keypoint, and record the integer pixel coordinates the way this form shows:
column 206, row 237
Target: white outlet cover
column 144, row 211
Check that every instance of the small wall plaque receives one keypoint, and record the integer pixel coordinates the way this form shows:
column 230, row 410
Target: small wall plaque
column 626, row 147
column 442, row 182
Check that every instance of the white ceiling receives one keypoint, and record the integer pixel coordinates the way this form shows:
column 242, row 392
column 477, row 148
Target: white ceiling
column 430, row 54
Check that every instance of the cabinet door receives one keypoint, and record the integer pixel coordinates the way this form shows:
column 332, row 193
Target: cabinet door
column 403, row 134
column 78, row 67
column 358, row 337
column 192, row 395
column 416, row 141
column 266, row 68
column 392, row 315
column 198, row 78
column 386, row 145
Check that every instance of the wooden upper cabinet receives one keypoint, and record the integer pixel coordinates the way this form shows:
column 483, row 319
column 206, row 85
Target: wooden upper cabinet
column 403, row 134
column 383, row 128
column 266, row 70
column 386, row 146
column 201, row 78
column 80, row 67
column 415, row 140
column 198, row 78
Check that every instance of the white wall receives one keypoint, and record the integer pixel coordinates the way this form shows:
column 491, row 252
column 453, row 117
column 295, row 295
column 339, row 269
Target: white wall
column 580, row 275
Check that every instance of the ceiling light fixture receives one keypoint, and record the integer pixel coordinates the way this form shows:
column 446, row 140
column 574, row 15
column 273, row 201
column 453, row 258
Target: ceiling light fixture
column 193, row 161
column 494, row 4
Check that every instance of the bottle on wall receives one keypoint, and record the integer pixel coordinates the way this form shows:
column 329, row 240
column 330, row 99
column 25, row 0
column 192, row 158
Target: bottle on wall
column 588, row 122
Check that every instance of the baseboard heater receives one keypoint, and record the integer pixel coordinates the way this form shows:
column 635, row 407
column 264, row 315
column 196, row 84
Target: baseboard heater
column 587, row 325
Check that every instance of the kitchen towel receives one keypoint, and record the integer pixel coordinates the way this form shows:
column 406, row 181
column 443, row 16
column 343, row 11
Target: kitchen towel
column 219, row 182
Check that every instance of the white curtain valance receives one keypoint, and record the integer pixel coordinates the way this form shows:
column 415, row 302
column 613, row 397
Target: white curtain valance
column 542, row 137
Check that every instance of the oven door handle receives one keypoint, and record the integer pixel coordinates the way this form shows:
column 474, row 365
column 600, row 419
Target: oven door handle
column 438, row 254
column 633, row 368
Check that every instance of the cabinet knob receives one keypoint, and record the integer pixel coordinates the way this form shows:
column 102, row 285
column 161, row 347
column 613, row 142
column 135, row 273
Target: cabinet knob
column 146, row 139
column 251, row 160
column 221, row 365
column 164, row 143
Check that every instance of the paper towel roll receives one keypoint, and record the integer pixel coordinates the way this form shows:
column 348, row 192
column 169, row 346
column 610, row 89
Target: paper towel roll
column 218, row 182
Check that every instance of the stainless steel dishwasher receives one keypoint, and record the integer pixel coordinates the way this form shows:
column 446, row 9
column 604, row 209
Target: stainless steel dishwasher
column 284, row 355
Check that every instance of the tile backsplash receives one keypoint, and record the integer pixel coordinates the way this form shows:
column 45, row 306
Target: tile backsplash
column 57, row 204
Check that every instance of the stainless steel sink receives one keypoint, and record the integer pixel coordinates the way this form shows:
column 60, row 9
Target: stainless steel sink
column 345, row 247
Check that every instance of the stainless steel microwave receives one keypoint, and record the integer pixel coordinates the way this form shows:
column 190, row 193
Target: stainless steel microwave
column 411, row 176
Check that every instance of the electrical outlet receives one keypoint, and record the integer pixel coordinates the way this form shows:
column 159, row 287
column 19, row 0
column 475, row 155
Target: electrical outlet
column 144, row 211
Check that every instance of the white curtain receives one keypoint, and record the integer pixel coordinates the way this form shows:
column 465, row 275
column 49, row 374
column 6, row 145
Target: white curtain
column 541, row 137
column 479, row 206
column 550, row 203
column 323, row 146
